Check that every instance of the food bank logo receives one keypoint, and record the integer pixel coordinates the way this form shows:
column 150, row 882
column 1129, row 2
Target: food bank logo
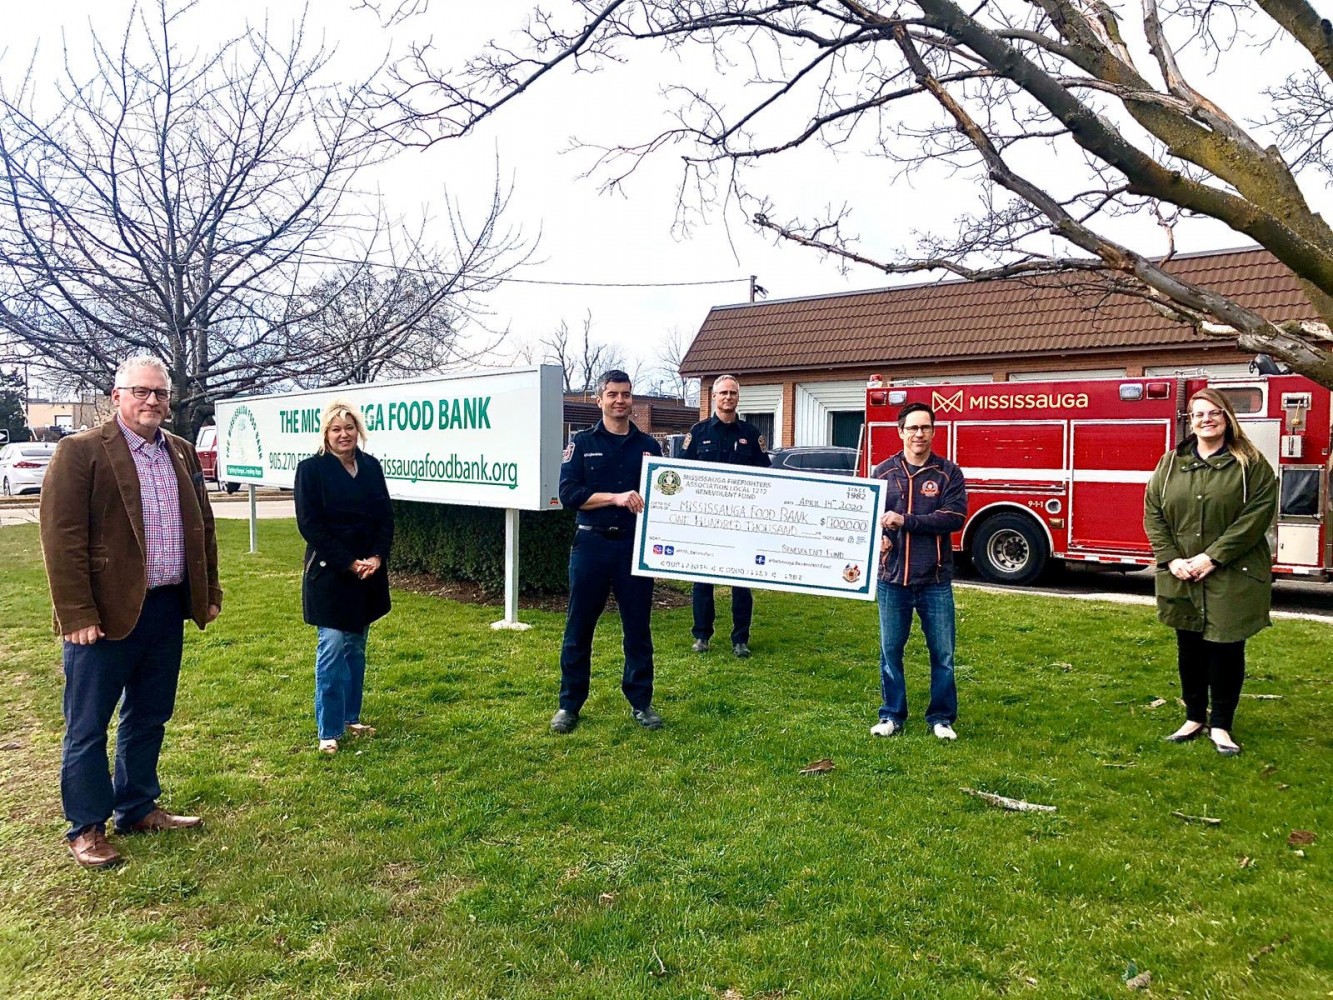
column 946, row 404
column 242, row 447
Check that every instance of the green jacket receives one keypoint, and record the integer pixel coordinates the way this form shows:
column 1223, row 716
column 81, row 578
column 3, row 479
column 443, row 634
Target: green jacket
column 1217, row 506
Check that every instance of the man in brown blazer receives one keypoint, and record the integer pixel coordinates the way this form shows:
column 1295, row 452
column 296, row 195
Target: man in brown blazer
column 127, row 534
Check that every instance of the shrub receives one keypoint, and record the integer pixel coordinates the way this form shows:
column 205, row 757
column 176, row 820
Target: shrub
column 468, row 543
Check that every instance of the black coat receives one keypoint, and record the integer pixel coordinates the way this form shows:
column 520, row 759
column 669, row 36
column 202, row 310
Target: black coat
column 343, row 518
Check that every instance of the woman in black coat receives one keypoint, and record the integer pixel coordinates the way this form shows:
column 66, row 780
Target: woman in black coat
column 343, row 513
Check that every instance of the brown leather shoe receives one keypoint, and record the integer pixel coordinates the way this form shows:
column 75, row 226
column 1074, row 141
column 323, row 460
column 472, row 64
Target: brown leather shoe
column 159, row 820
column 91, row 850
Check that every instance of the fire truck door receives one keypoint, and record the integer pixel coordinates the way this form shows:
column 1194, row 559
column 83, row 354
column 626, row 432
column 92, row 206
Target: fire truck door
column 1297, row 536
column 1112, row 463
column 1266, row 435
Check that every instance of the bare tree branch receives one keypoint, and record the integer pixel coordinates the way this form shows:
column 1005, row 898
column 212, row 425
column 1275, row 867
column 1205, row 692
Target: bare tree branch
column 1013, row 84
column 201, row 207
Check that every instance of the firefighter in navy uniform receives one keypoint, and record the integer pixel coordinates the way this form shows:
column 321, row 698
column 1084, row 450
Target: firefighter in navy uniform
column 599, row 477
column 724, row 437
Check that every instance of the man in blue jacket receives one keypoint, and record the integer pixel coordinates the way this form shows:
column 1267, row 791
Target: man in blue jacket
column 925, row 501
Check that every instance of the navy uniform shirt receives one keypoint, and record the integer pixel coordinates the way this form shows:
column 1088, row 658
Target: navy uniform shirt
column 597, row 461
column 736, row 443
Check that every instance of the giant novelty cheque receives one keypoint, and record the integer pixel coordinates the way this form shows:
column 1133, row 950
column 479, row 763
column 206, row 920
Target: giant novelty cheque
column 767, row 528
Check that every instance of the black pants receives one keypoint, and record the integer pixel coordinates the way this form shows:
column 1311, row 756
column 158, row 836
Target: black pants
column 705, row 612
column 598, row 567
column 1216, row 667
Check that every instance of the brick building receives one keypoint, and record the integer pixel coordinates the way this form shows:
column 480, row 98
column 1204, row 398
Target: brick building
column 803, row 363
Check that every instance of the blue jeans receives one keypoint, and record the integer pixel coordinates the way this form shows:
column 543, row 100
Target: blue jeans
column 139, row 671
column 599, row 567
column 933, row 603
column 340, row 677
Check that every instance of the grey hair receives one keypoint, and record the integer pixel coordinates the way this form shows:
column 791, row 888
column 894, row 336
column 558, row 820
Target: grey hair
column 141, row 361
column 726, row 378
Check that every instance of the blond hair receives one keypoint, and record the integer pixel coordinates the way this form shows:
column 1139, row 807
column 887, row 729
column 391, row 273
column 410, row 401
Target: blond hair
column 334, row 410
column 1236, row 440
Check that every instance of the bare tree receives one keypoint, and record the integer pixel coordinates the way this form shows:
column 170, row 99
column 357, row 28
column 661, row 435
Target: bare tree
column 406, row 318
column 666, row 379
column 1063, row 114
column 584, row 360
column 198, row 206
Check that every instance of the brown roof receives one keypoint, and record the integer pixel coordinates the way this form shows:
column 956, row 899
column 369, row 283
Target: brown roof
column 960, row 320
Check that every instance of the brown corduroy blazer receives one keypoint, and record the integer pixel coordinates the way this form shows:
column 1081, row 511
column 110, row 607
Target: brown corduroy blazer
column 93, row 535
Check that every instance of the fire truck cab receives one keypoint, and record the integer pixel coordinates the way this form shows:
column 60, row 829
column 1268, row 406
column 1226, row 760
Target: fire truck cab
column 1057, row 470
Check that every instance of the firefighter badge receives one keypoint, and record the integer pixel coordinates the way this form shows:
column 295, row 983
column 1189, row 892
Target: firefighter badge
column 930, row 488
column 686, row 443
column 568, row 453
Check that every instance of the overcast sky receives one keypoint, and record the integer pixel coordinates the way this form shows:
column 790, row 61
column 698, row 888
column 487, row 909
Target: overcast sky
column 585, row 236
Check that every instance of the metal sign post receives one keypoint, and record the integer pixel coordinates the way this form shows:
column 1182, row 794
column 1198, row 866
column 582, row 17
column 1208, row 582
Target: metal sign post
column 510, row 620
column 254, row 518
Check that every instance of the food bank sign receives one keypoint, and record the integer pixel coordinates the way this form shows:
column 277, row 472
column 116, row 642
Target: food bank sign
column 485, row 440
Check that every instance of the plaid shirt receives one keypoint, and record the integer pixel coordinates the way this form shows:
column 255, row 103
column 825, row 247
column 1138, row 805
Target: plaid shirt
column 160, row 496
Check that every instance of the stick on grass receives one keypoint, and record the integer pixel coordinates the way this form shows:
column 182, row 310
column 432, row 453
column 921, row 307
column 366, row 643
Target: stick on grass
column 1206, row 820
column 1004, row 802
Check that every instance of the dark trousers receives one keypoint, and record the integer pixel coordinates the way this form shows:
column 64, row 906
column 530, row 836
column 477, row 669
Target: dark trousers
column 705, row 612
column 140, row 672
column 600, row 566
column 1216, row 667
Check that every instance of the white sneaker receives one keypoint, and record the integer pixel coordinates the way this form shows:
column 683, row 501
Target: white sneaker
column 886, row 728
column 944, row 732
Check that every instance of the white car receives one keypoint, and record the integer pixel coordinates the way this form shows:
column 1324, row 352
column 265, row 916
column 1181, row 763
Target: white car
column 22, row 467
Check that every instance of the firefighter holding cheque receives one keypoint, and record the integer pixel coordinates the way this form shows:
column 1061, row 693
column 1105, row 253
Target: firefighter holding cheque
column 1207, row 511
column 925, row 501
column 724, row 437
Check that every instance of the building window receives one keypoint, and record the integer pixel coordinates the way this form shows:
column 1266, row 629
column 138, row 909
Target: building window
column 764, row 422
column 846, row 428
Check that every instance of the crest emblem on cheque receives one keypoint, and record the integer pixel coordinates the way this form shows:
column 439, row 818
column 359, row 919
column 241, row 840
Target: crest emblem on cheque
column 668, row 481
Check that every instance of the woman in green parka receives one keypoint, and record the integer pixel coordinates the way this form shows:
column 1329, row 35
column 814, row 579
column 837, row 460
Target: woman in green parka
column 1207, row 512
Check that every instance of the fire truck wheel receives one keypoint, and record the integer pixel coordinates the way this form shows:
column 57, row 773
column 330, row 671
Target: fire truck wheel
column 231, row 487
column 1009, row 548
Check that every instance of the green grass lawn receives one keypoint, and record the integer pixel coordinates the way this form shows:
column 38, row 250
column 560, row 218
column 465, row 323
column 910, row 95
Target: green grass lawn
column 466, row 852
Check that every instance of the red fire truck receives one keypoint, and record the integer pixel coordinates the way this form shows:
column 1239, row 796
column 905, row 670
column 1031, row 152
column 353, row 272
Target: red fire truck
column 1057, row 470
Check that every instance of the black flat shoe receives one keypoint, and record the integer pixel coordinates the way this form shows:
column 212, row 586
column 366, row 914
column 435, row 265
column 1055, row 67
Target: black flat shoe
column 1176, row 738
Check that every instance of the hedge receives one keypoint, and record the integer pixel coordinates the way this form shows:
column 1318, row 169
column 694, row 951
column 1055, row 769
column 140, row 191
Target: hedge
column 468, row 543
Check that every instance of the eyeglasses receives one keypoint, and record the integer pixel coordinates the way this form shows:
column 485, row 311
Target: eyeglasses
column 143, row 392
column 919, row 429
column 1208, row 415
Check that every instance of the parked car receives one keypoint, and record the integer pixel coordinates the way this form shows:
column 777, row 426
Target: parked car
column 206, row 446
column 829, row 459
column 22, row 467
